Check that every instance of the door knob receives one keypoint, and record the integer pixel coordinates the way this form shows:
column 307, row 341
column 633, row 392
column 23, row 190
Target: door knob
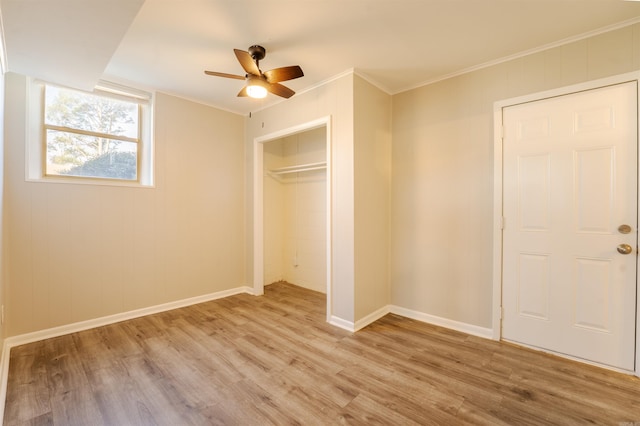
column 624, row 248
column 624, row 229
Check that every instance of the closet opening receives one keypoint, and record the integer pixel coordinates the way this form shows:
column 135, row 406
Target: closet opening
column 292, row 208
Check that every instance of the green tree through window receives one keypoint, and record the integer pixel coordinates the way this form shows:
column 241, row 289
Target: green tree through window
column 88, row 135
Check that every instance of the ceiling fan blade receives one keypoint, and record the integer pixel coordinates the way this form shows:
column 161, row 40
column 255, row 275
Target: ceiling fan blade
column 222, row 74
column 243, row 92
column 283, row 74
column 280, row 90
column 247, row 62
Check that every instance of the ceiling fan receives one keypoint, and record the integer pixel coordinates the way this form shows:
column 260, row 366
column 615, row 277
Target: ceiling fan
column 258, row 82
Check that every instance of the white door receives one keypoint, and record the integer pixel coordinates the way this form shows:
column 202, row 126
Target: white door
column 570, row 173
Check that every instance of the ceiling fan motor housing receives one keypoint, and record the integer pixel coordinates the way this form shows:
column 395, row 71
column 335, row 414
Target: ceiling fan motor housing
column 257, row 52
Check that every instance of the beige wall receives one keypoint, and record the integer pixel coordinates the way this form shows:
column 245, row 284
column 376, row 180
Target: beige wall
column 421, row 240
column 295, row 212
column 442, row 186
column 334, row 99
column 372, row 171
column 78, row 252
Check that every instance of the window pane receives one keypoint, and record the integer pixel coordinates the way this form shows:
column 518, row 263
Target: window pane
column 71, row 154
column 84, row 111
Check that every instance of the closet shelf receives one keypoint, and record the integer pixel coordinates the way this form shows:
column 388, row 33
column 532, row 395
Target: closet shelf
column 299, row 168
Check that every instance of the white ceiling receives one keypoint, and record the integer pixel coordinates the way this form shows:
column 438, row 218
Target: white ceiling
column 397, row 44
column 65, row 41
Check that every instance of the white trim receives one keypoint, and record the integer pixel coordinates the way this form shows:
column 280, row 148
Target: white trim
column 330, row 184
column 34, row 166
column 298, row 128
column 4, row 357
column 124, row 316
column 498, row 224
column 373, row 82
column 4, row 378
column 498, row 195
column 120, row 91
column 258, row 218
column 474, row 330
column 258, row 202
column 320, row 83
column 371, row 318
column 462, row 327
column 4, row 66
column 518, row 55
column 341, row 323
column 306, row 89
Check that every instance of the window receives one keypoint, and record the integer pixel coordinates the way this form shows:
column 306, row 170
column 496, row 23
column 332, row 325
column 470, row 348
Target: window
column 90, row 137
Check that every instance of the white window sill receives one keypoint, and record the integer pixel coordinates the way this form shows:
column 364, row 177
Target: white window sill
column 89, row 181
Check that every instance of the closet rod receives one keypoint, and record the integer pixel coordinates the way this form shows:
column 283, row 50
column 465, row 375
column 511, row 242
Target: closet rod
column 299, row 168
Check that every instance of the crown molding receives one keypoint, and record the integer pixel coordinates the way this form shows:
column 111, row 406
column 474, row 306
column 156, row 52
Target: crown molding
column 524, row 53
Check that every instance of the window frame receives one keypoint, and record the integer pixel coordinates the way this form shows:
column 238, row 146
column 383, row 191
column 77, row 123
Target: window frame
column 36, row 156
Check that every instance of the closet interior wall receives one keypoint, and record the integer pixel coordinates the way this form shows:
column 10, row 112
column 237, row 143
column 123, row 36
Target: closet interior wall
column 295, row 221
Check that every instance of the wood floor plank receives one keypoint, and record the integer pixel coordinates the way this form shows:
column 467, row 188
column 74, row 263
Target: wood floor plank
column 29, row 375
column 117, row 397
column 365, row 411
column 274, row 359
column 75, row 407
column 64, row 367
column 378, row 386
column 29, row 401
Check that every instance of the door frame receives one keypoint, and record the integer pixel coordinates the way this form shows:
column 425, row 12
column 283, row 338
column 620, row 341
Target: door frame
column 498, row 220
column 258, row 202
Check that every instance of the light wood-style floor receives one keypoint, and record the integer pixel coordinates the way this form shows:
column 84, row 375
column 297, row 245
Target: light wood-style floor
column 248, row 360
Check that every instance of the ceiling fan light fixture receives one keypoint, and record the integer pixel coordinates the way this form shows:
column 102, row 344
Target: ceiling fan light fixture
column 256, row 91
column 256, row 88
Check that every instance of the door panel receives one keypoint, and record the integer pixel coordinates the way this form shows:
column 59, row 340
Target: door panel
column 534, row 192
column 533, row 286
column 594, row 176
column 570, row 173
column 591, row 294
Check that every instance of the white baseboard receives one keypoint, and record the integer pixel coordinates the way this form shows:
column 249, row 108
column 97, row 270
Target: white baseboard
column 4, row 377
column 23, row 339
column 486, row 333
column 361, row 323
column 124, row 316
column 343, row 324
column 371, row 318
